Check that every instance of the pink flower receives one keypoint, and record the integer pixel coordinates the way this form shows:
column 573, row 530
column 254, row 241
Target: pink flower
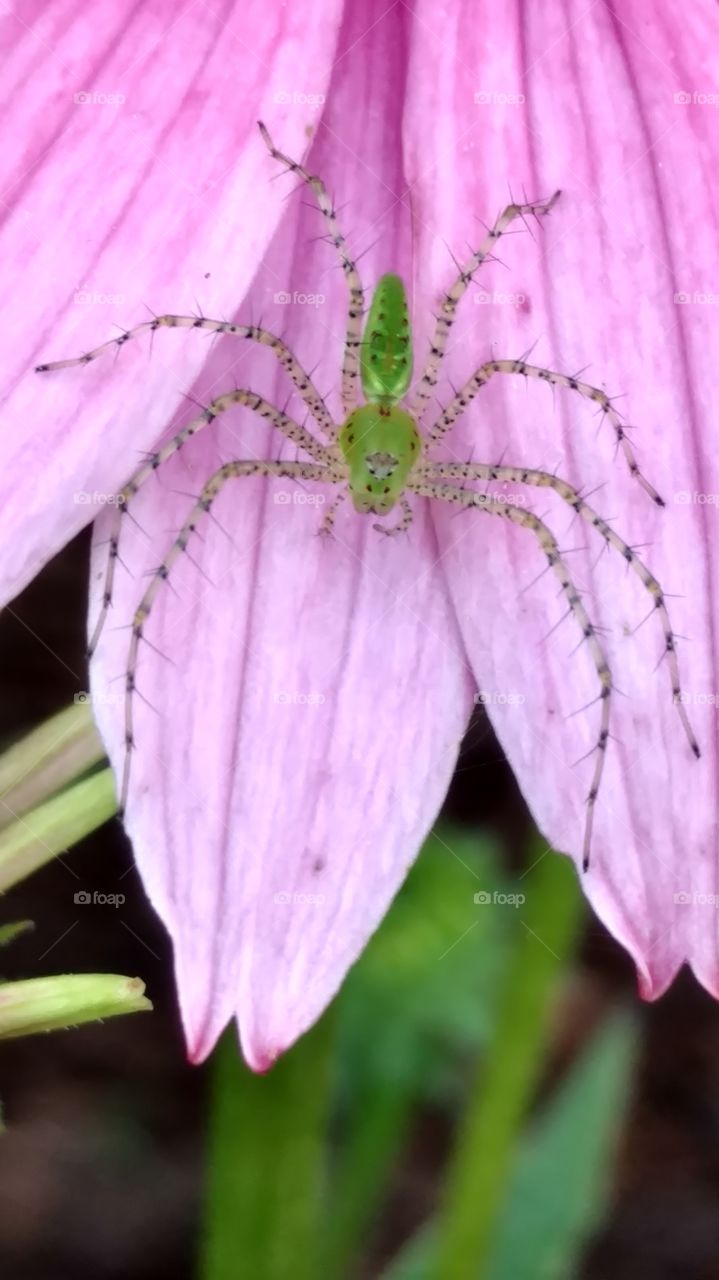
column 312, row 694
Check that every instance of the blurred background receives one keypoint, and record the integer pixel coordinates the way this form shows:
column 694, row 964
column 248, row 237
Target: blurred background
column 117, row 1154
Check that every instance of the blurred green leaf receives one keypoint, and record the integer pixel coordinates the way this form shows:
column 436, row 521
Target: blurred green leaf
column 560, row 1185
column 429, row 978
column 478, row 1175
column 55, row 826
column 48, row 758
column 562, row 1180
column 266, row 1162
column 51, row 1004
column 9, row 932
column 419, row 1002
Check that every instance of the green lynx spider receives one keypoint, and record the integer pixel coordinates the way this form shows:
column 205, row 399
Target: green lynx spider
column 379, row 455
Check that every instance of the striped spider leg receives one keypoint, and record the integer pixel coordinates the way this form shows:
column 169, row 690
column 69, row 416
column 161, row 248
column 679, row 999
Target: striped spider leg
column 433, row 480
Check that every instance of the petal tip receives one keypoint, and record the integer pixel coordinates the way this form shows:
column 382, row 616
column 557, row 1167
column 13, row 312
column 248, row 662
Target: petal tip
column 646, row 985
column 653, row 981
column 199, row 1047
column 260, row 1058
column 201, row 1034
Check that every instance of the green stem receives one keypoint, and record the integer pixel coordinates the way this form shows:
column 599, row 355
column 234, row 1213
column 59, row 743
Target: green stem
column 55, row 826
column 479, row 1174
column 49, row 1004
column 266, row 1163
column 46, row 759
column 377, row 1129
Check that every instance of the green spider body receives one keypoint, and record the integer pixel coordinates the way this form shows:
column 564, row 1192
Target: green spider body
column 380, row 443
column 380, row 446
column 386, row 353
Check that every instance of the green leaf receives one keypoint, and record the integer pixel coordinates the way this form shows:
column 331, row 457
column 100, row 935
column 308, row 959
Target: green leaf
column 51, row 1004
column 420, row 999
column 55, row 826
column 266, row 1162
column 477, row 1179
column 460, row 1241
column 428, row 981
column 55, row 754
column 562, row 1182
column 562, row 1175
column 9, row 932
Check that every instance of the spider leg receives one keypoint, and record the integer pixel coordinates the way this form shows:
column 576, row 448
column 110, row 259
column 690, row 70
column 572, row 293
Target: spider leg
column 573, row 499
column 302, row 381
column 466, row 394
column 467, row 498
column 289, row 428
column 353, row 340
column 401, row 526
column 454, row 295
column 328, row 520
column 210, row 490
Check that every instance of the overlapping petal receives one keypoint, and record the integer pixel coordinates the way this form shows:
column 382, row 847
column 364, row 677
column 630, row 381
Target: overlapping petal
column 134, row 188
column 614, row 106
column 311, row 713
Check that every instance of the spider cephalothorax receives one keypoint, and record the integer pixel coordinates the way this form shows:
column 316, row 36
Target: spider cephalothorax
column 380, row 445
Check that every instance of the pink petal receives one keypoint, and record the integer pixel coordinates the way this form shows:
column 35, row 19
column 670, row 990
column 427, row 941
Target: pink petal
column 309, row 725
column 310, row 718
column 148, row 202
column 585, row 99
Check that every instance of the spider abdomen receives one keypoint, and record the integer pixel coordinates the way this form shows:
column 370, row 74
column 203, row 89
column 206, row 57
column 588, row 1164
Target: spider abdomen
column 386, row 354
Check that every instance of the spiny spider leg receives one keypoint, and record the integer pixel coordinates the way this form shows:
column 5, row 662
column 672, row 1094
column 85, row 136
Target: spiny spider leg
column 353, row 340
column 252, row 333
column 527, row 520
column 452, row 298
column 328, row 520
column 466, row 394
column 544, row 479
column 289, row 428
column 287, row 470
column 402, row 524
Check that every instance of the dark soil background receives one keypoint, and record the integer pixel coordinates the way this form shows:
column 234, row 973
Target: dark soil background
column 101, row 1165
